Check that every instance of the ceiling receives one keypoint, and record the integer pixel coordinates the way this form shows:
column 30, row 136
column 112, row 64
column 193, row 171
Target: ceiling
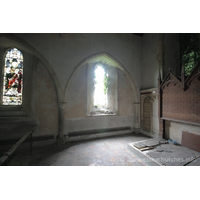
column 139, row 34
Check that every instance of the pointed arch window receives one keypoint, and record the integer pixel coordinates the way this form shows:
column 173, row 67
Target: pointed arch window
column 102, row 89
column 100, row 86
column 13, row 78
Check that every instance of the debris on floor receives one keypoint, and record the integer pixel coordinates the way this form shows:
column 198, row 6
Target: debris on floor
column 164, row 152
column 170, row 141
column 149, row 144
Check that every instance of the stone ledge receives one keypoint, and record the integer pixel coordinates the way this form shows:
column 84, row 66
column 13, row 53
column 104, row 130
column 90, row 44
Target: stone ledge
column 96, row 135
column 16, row 118
column 181, row 121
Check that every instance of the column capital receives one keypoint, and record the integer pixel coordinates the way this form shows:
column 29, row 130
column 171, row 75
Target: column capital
column 62, row 104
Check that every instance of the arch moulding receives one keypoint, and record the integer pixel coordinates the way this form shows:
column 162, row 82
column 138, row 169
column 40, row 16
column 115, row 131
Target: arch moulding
column 117, row 64
column 130, row 80
column 37, row 54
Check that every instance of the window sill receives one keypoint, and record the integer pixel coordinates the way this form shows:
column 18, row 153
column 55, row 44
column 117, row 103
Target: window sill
column 15, row 119
column 10, row 108
column 7, row 110
column 100, row 115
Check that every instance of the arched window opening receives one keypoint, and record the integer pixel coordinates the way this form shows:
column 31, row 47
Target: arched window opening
column 100, row 87
column 13, row 78
column 102, row 90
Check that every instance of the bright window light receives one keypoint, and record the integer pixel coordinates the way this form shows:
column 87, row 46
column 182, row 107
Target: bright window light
column 100, row 98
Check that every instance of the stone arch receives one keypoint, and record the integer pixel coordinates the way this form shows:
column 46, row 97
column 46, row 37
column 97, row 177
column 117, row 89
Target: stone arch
column 26, row 47
column 129, row 78
column 37, row 54
column 118, row 65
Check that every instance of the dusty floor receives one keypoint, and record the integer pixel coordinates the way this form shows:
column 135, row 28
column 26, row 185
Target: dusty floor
column 110, row 151
column 160, row 152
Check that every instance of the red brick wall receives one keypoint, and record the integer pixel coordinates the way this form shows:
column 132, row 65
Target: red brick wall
column 191, row 141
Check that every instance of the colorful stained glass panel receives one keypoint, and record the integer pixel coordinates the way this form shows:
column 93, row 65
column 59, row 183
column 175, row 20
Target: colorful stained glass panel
column 13, row 78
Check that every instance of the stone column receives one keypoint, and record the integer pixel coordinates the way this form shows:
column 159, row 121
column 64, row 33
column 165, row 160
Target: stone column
column 136, row 107
column 60, row 139
column 161, row 54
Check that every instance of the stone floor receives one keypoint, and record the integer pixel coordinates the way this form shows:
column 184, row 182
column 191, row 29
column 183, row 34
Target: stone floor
column 110, row 151
column 126, row 150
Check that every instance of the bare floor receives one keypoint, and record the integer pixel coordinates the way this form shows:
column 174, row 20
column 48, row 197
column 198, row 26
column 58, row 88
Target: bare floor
column 110, row 151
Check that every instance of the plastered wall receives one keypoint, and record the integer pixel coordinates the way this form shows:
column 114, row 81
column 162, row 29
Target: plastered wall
column 77, row 95
column 160, row 51
column 45, row 102
column 171, row 54
column 51, row 81
column 65, row 52
column 150, row 60
column 125, row 96
column 39, row 107
column 76, row 118
column 55, row 74
column 173, row 130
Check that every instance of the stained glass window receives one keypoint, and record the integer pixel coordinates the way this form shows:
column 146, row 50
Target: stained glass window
column 13, row 78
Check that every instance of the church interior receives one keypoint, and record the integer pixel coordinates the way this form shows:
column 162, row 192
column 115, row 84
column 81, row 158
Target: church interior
column 96, row 97
column 99, row 100
column 82, row 99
